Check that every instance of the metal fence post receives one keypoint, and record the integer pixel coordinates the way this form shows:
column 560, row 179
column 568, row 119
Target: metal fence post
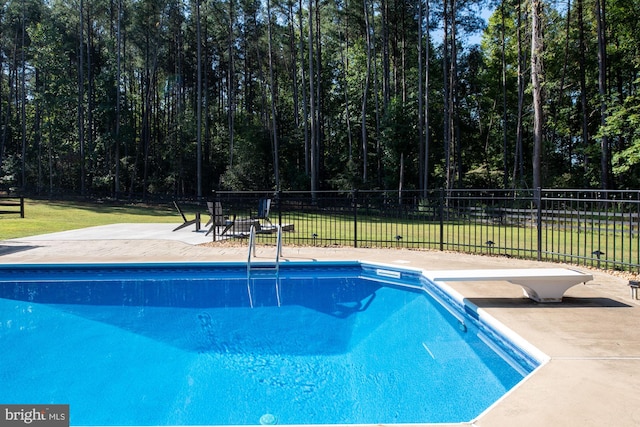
column 441, row 215
column 277, row 201
column 538, row 199
column 355, row 217
column 214, row 198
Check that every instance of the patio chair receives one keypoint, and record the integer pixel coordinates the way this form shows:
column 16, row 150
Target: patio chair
column 187, row 222
column 218, row 219
column 264, row 206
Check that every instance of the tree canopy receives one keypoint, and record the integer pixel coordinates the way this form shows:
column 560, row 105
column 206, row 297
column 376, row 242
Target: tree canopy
column 182, row 97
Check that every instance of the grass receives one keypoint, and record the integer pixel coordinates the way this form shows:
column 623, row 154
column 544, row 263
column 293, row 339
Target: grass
column 572, row 244
column 575, row 245
column 43, row 217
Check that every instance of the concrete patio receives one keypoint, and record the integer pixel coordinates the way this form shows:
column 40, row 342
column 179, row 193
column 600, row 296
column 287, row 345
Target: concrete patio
column 592, row 337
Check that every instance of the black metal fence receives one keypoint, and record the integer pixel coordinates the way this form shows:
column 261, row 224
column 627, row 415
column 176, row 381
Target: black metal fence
column 585, row 227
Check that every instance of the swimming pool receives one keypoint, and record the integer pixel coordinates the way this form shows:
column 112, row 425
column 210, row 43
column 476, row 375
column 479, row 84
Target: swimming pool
column 208, row 343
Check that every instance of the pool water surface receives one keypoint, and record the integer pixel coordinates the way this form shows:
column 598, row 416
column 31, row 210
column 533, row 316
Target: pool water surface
column 194, row 344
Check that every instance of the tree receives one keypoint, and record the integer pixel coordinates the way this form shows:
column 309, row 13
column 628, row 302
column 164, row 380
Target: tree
column 274, row 110
column 178, row 97
column 536, row 83
column 602, row 90
column 199, row 102
column 364, row 141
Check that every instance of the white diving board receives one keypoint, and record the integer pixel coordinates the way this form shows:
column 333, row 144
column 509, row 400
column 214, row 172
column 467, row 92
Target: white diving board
column 539, row 284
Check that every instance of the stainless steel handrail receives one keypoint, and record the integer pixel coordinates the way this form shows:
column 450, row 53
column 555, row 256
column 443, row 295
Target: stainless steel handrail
column 278, row 246
column 252, row 251
column 252, row 248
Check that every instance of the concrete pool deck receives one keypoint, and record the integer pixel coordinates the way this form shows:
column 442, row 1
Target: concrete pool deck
column 592, row 337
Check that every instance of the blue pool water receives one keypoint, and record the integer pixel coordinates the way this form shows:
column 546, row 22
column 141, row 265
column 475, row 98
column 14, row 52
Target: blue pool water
column 193, row 344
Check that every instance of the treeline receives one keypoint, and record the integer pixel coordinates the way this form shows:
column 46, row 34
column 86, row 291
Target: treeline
column 181, row 97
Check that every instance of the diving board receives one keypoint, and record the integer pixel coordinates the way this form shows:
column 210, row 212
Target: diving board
column 539, row 284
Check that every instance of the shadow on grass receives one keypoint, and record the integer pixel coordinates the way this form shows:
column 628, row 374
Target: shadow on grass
column 142, row 209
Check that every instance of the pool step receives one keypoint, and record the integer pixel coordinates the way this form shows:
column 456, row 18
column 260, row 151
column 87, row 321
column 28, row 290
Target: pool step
column 263, row 268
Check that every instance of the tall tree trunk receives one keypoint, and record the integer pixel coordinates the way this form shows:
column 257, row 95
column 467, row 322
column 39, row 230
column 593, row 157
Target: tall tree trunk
column 206, row 105
column 445, row 101
column 149, row 90
column 305, row 100
column 386, row 78
column 602, row 90
column 4, row 119
column 403, row 52
column 421, row 122
column 394, row 45
column 294, row 62
column 558, row 98
column 23, row 97
column 50, row 157
column 583, row 83
column 319, row 97
column 344, row 54
column 145, row 127
column 375, row 96
column 401, row 178
column 518, row 163
column 365, row 91
column 274, row 113
column 453, row 97
column 118, row 102
column 37, row 131
column 450, row 83
column 505, row 172
column 199, row 102
column 536, row 82
column 426, row 102
column 312, row 107
column 230, row 84
column 90, row 127
column 81, row 97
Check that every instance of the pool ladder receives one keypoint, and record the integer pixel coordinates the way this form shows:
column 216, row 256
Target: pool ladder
column 263, row 268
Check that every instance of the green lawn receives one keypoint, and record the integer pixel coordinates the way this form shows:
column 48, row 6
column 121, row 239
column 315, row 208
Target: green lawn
column 52, row 216
column 565, row 244
column 518, row 241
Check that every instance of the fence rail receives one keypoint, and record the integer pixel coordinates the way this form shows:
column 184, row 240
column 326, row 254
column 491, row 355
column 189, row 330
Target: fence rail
column 11, row 205
column 593, row 228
